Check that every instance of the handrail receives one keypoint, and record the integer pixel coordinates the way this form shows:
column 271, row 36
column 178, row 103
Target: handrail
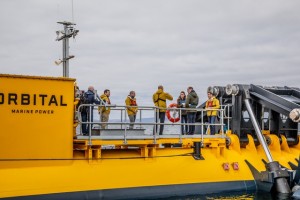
column 154, row 109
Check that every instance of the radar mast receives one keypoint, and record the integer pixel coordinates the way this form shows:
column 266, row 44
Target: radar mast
column 64, row 35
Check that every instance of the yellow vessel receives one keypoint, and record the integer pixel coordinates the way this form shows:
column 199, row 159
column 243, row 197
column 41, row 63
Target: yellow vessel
column 41, row 155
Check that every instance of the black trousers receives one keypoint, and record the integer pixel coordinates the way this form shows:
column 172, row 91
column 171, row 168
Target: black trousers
column 161, row 118
column 84, row 127
column 85, row 117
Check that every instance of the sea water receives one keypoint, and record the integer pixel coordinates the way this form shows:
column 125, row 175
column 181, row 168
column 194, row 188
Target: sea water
column 234, row 196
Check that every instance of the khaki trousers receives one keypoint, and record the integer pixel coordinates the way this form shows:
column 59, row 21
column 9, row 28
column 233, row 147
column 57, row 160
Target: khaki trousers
column 104, row 118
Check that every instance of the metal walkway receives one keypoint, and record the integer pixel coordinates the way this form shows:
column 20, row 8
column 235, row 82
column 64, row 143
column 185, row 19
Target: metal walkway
column 136, row 134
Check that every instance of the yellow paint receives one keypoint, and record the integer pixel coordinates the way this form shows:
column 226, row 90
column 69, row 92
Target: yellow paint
column 89, row 167
column 251, row 145
column 108, row 173
column 234, row 142
column 34, row 125
column 275, row 144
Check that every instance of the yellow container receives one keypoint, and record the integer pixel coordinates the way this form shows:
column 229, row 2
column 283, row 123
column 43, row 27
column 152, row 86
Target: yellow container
column 36, row 117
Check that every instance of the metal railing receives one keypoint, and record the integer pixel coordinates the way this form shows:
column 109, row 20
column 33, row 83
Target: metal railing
column 227, row 108
column 223, row 114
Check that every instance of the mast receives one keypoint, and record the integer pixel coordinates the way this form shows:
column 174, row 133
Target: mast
column 64, row 35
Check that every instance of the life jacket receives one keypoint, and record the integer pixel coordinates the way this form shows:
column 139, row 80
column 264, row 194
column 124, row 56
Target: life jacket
column 210, row 103
column 159, row 99
column 132, row 101
column 106, row 100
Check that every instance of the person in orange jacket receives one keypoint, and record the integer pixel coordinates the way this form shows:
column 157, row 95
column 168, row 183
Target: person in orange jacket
column 132, row 108
column 105, row 111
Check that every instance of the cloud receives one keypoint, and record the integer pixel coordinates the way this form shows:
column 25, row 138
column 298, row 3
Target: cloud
column 137, row 45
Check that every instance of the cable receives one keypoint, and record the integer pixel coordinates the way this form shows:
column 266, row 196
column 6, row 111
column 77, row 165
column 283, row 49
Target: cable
column 120, row 158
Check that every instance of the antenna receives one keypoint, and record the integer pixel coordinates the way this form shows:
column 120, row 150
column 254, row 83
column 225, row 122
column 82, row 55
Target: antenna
column 72, row 11
column 64, row 35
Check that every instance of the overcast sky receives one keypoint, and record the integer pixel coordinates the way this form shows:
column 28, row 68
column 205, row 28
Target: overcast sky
column 138, row 44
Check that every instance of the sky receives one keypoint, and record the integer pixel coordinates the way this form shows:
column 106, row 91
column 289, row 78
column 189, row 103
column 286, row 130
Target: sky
column 140, row 44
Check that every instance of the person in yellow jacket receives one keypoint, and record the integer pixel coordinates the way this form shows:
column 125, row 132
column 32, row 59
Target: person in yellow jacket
column 159, row 99
column 130, row 102
column 105, row 111
column 212, row 103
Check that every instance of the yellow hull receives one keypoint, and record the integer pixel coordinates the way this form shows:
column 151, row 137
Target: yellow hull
column 124, row 169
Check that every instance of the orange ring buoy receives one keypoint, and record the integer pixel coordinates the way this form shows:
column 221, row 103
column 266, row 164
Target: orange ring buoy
column 170, row 118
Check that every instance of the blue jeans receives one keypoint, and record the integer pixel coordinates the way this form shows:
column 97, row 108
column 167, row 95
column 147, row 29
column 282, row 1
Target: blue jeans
column 191, row 118
column 211, row 120
column 184, row 128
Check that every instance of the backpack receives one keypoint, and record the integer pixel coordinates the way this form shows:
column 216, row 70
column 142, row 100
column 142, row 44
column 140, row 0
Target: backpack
column 83, row 100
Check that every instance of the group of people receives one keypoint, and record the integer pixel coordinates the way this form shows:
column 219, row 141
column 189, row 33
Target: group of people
column 189, row 116
column 90, row 97
column 160, row 97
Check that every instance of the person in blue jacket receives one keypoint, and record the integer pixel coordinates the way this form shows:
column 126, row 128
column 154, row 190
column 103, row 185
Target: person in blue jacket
column 89, row 98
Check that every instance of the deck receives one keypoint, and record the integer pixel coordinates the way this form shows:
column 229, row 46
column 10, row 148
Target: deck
column 123, row 139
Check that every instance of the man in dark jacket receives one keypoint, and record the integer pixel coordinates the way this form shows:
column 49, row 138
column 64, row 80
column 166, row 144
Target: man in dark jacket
column 190, row 103
column 90, row 98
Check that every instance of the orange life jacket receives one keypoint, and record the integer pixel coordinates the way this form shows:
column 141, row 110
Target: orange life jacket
column 132, row 102
column 210, row 103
